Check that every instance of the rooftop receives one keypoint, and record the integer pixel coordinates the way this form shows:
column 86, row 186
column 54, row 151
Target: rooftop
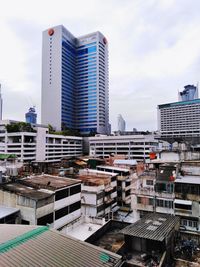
column 38, row 246
column 155, row 227
column 131, row 162
column 188, row 180
column 25, row 191
column 113, row 168
column 180, row 103
column 5, row 211
column 94, row 177
column 49, row 182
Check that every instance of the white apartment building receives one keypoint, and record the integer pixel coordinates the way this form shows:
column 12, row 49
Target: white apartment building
column 98, row 193
column 179, row 119
column 135, row 147
column 39, row 146
column 44, row 200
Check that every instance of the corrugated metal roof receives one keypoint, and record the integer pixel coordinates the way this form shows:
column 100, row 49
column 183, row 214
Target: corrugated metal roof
column 40, row 246
column 155, row 227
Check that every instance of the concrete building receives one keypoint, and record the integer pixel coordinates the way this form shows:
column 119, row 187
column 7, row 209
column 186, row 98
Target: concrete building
column 151, row 240
column 124, row 183
column 135, row 147
column 44, row 200
column 31, row 116
column 186, row 203
column 75, row 79
column 121, row 123
column 39, row 145
column 98, row 193
column 155, row 191
column 180, row 120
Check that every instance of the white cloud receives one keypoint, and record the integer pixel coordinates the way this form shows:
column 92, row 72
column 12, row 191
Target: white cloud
column 153, row 45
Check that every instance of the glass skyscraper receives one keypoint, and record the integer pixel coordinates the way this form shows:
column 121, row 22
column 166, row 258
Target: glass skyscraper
column 75, row 81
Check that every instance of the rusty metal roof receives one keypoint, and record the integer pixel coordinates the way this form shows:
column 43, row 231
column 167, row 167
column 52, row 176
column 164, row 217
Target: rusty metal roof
column 39, row 246
column 49, row 182
column 155, row 227
column 24, row 190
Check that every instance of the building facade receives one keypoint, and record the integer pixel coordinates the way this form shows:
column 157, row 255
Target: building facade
column 39, row 145
column 132, row 146
column 98, row 193
column 75, row 81
column 179, row 119
column 44, row 200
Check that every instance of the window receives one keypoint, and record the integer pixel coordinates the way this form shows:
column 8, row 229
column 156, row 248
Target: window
column 149, row 182
column 75, row 206
column 139, row 200
column 47, row 219
column 61, row 212
column 75, row 189
column 62, row 194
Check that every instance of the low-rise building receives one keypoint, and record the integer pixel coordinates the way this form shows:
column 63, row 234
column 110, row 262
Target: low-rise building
column 151, row 240
column 38, row 144
column 124, row 183
column 155, row 191
column 98, row 193
column 186, row 204
column 135, row 147
column 44, row 199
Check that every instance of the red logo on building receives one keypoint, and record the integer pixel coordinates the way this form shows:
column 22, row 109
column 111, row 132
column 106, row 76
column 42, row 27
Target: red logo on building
column 51, row 32
column 105, row 40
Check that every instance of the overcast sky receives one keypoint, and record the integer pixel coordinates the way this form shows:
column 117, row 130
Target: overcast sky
column 154, row 51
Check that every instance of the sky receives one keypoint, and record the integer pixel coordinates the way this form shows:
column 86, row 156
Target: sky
column 154, row 51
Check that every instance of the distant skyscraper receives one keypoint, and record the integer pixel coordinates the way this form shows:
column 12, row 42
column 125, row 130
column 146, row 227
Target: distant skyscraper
column 189, row 93
column 31, row 116
column 1, row 104
column 121, row 123
column 75, row 81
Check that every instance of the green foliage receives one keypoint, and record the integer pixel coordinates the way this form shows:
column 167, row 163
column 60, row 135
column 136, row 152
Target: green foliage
column 65, row 131
column 19, row 127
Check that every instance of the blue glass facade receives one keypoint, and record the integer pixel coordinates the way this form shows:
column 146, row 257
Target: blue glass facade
column 79, row 86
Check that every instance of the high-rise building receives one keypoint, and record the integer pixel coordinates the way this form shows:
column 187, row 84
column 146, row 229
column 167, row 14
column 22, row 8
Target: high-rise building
column 75, row 81
column 121, row 123
column 31, row 115
column 190, row 92
column 181, row 119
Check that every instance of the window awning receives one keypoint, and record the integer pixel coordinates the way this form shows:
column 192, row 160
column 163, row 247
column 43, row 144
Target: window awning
column 182, row 202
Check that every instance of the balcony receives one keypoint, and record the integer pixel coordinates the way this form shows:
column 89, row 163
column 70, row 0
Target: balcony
column 144, row 191
column 144, row 207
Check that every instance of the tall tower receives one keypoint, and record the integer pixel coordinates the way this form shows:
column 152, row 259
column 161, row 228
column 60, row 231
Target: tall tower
column 75, row 81
column 1, row 104
column 190, row 92
column 121, row 123
column 31, row 116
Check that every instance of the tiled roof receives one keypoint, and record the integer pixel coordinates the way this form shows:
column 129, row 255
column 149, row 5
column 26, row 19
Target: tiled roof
column 39, row 246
